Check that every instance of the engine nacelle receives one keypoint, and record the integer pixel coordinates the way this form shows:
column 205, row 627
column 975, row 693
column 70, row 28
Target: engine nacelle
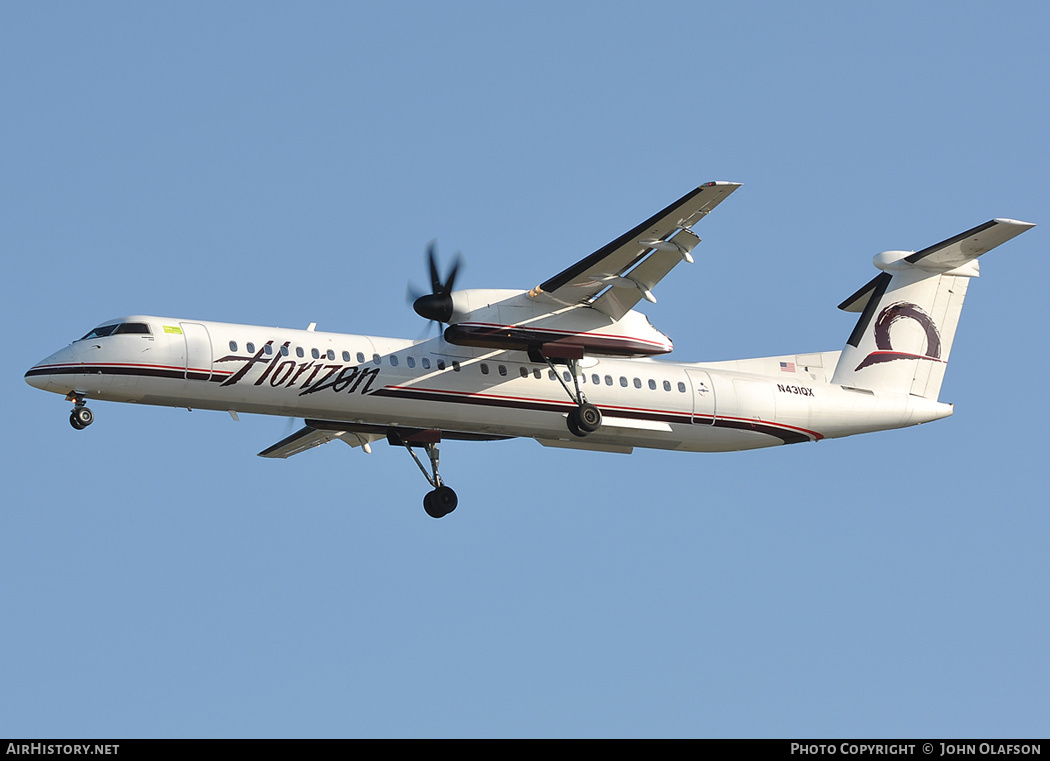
column 510, row 320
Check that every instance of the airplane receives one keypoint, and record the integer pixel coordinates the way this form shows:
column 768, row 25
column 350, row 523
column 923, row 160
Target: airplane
column 570, row 362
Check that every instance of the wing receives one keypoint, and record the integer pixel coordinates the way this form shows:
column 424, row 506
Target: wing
column 317, row 432
column 309, row 437
column 617, row 276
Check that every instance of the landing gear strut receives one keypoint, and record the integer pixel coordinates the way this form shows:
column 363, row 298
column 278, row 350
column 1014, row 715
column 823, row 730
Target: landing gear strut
column 81, row 417
column 442, row 500
column 586, row 418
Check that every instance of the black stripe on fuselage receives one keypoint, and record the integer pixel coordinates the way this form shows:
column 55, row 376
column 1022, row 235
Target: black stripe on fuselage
column 174, row 373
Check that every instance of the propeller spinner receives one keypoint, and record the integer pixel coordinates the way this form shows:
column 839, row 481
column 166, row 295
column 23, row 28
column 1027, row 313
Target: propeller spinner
column 437, row 305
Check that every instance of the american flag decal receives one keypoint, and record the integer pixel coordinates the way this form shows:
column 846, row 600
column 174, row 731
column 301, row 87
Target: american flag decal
column 787, row 367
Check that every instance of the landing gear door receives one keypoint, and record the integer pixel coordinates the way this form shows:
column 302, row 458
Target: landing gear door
column 703, row 391
column 198, row 351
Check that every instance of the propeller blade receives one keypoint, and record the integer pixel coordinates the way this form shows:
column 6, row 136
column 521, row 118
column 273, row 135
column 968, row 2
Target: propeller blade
column 452, row 275
column 435, row 278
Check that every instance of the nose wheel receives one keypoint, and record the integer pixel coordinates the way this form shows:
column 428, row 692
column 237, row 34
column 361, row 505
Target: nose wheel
column 81, row 417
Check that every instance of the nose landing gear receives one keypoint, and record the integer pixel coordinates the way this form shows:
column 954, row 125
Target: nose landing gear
column 81, row 417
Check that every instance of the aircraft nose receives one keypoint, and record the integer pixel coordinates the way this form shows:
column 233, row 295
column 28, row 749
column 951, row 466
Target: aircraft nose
column 38, row 377
column 41, row 374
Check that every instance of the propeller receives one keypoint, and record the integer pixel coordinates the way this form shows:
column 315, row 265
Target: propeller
column 437, row 305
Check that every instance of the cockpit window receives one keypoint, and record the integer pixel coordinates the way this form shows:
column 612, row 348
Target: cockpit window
column 132, row 327
column 112, row 330
column 100, row 331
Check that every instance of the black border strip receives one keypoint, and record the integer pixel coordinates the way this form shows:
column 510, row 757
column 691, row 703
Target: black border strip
column 880, row 283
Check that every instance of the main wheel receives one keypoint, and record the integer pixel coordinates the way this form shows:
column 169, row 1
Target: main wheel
column 81, row 417
column 573, row 424
column 587, row 418
column 440, row 502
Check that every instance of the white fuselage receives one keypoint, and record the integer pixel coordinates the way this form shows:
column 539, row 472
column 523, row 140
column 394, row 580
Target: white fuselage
column 432, row 384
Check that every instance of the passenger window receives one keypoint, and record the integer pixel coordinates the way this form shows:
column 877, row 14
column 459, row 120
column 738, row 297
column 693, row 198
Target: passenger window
column 284, row 350
column 667, row 385
column 330, row 354
column 346, row 356
column 411, row 361
column 315, row 353
column 595, row 379
column 250, row 347
column 393, row 360
column 233, row 346
column 299, row 351
column 267, row 349
column 681, row 387
column 637, row 383
column 537, row 373
column 524, row 371
column 455, row 366
column 441, row 364
column 360, row 356
column 425, row 362
column 484, row 369
column 608, row 380
column 376, row 359
column 652, row 384
column 503, row 370
column 623, row 381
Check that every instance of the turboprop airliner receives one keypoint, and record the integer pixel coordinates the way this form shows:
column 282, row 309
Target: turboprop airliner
column 569, row 362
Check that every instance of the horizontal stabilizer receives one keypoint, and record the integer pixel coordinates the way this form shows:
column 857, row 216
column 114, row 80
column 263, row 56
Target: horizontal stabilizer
column 957, row 251
column 948, row 256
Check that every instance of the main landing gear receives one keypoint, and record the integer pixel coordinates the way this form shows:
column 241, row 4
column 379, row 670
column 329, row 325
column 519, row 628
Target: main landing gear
column 586, row 418
column 81, row 417
column 441, row 500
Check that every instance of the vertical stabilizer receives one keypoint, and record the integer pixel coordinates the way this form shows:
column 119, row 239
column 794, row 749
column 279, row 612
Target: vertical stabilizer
column 909, row 312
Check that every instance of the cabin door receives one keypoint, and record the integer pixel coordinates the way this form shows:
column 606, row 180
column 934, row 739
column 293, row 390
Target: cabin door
column 198, row 351
column 703, row 391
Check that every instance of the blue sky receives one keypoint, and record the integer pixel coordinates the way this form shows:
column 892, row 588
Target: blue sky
column 283, row 164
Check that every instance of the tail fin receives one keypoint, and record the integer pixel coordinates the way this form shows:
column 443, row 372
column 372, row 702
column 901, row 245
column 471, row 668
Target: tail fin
column 910, row 311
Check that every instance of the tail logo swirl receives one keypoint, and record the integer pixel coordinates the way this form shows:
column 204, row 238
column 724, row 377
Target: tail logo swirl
column 902, row 310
